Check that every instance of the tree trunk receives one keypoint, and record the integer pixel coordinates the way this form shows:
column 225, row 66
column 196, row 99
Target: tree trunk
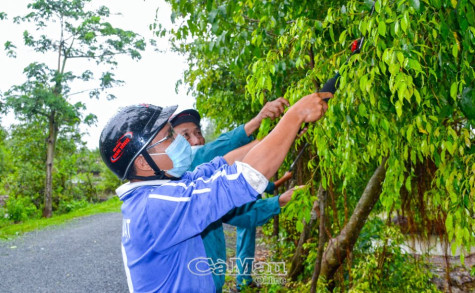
column 322, row 237
column 339, row 246
column 50, row 148
column 275, row 231
column 296, row 266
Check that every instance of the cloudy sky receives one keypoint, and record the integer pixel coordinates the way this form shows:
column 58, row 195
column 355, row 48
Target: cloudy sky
column 150, row 80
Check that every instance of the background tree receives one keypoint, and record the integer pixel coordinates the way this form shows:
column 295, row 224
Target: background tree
column 71, row 31
column 398, row 136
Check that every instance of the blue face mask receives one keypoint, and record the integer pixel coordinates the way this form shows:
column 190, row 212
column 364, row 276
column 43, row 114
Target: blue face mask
column 180, row 153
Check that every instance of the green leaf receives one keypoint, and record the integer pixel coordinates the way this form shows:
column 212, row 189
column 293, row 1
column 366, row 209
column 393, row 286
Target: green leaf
column 362, row 27
column 449, row 223
column 415, row 65
column 450, row 147
column 410, row 129
column 418, row 96
column 400, row 58
column 455, row 50
column 416, row 4
column 362, row 110
column 332, row 35
column 453, row 90
column 382, row 28
column 405, row 21
column 377, row 6
column 363, row 82
column 398, row 105
column 408, row 184
column 387, row 55
column 299, row 226
column 396, row 28
column 342, row 38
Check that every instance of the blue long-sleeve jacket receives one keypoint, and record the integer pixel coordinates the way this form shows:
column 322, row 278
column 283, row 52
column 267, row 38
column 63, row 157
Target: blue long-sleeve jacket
column 162, row 222
column 247, row 216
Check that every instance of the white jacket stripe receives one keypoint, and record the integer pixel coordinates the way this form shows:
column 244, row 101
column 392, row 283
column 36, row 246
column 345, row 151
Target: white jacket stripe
column 169, row 198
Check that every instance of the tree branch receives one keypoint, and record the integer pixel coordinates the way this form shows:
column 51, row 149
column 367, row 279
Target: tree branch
column 338, row 247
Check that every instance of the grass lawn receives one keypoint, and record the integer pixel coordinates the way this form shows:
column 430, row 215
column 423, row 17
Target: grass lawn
column 9, row 230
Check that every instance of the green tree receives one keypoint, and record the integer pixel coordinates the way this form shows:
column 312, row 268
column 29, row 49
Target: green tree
column 45, row 96
column 5, row 155
column 398, row 134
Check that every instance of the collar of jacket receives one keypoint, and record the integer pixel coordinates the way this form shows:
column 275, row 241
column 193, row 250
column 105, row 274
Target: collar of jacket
column 128, row 187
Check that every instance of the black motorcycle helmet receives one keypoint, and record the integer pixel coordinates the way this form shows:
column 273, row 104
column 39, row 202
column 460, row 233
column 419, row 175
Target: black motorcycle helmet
column 127, row 134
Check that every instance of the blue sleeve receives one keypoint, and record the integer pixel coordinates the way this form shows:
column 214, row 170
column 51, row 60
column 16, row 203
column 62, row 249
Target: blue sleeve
column 205, row 170
column 253, row 214
column 178, row 210
column 222, row 145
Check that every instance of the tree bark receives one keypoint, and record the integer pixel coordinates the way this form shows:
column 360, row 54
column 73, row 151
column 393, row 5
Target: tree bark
column 50, row 148
column 322, row 238
column 275, row 231
column 339, row 246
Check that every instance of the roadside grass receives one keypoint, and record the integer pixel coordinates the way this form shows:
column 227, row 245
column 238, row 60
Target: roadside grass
column 10, row 230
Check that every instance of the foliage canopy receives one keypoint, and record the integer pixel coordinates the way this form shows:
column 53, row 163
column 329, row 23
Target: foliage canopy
column 408, row 96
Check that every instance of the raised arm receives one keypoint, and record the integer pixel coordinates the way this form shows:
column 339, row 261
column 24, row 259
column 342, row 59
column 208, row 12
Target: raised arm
column 267, row 156
column 239, row 153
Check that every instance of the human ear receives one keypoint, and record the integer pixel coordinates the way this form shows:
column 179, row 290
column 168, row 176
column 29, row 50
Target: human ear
column 141, row 164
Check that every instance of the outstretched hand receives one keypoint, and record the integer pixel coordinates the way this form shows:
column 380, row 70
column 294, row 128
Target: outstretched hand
column 273, row 109
column 287, row 196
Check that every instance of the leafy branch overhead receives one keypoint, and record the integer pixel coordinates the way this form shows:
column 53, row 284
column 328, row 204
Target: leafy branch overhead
column 408, row 96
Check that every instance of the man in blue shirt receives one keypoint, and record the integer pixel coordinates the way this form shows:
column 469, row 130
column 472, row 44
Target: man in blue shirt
column 246, row 217
column 165, row 208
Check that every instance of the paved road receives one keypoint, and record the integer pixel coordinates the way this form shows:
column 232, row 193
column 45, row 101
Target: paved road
column 80, row 256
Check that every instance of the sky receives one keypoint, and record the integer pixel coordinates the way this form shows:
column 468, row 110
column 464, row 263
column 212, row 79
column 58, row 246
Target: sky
column 150, row 80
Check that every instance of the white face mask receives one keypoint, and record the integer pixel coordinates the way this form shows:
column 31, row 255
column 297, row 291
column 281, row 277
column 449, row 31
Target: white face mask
column 194, row 150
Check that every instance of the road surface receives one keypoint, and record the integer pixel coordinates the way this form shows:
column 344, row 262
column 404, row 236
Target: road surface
column 83, row 255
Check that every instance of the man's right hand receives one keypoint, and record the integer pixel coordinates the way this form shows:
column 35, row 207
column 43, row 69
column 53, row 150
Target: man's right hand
column 268, row 155
column 312, row 107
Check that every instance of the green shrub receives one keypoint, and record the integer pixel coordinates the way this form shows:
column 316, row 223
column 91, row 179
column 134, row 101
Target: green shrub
column 69, row 206
column 20, row 209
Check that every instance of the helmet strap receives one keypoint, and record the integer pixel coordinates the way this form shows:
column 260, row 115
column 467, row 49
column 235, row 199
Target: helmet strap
column 159, row 174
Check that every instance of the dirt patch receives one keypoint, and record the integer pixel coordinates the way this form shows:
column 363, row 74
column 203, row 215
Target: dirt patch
column 455, row 280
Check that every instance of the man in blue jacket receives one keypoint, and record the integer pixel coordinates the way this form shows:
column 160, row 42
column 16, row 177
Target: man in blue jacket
column 165, row 208
column 247, row 217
